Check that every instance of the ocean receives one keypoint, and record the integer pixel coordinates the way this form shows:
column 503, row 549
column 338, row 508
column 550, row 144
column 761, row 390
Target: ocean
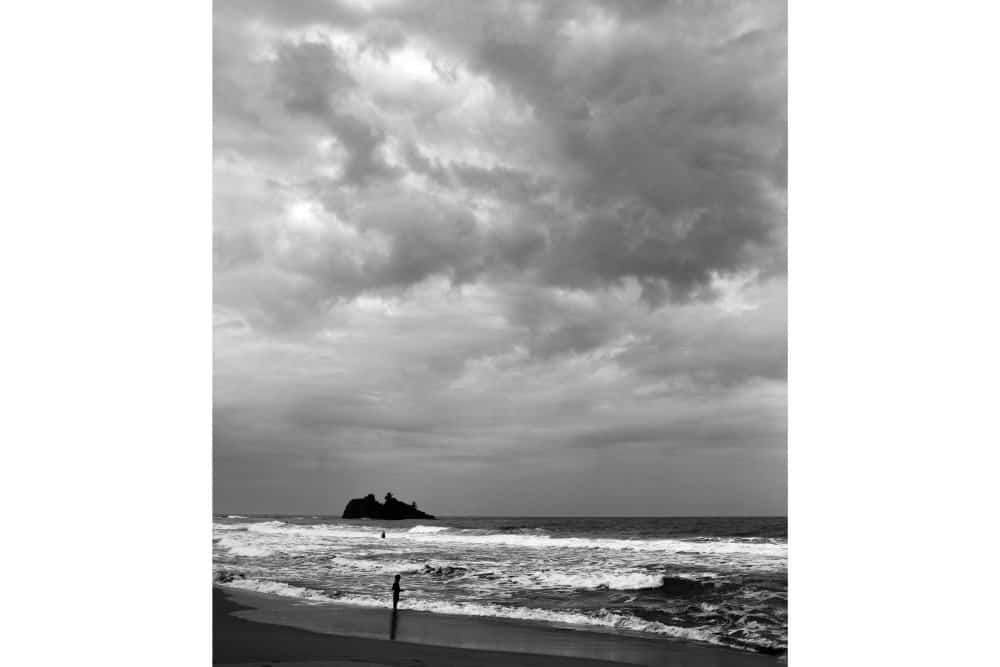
column 717, row 580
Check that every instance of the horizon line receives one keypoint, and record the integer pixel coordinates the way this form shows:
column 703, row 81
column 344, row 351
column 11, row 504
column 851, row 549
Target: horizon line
column 528, row 516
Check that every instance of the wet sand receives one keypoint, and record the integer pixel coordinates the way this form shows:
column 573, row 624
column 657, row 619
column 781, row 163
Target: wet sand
column 252, row 629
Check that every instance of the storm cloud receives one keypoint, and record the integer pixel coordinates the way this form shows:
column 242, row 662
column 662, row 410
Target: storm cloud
column 472, row 252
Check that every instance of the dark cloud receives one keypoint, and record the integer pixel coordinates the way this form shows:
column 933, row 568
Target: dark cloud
column 308, row 79
column 420, row 163
column 669, row 152
column 503, row 182
column 641, row 243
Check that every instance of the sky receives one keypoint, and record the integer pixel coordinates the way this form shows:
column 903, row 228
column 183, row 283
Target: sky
column 500, row 258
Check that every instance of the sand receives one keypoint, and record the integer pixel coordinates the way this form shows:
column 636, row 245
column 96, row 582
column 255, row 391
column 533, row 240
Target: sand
column 251, row 629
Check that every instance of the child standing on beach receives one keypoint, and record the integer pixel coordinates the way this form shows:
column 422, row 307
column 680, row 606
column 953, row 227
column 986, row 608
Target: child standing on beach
column 395, row 593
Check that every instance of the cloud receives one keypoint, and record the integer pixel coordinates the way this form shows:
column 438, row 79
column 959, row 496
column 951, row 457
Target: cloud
column 498, row 233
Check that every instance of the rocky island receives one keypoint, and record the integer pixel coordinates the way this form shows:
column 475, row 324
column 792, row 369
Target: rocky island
column 369, row 508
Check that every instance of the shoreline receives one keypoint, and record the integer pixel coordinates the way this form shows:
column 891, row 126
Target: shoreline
column 253, row 627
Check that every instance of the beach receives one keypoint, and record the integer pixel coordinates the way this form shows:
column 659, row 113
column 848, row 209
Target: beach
column 256, row 629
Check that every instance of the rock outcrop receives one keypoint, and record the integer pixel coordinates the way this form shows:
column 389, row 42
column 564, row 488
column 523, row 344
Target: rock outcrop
column 369, row 508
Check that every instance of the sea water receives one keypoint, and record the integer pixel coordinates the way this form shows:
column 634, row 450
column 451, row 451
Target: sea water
column 715, row 580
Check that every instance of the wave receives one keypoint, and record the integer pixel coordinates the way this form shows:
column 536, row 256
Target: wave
column 627, row 581
column 269, row 526
column 314, row 531
column 428, row 529
column 235, row 516
column 602, row 618
column 449, row 536
column 585, row 580
column 687, row 586
column 380, row 567
column 432, row 567
column 277, row 588
column 238, row 548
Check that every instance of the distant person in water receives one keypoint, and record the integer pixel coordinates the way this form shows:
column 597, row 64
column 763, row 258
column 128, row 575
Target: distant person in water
column 383, row 534
column 395, row 593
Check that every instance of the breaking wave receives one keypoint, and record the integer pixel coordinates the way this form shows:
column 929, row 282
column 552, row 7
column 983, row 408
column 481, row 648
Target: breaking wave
column 628, row 581
column 375, row 566
column 238, row 548
column 277, row 588
column 444, row 534
column 428, row 529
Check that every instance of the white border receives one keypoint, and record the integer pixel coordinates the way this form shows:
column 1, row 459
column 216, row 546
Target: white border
column 893, row 333
column 106, row 354
column 107, row 333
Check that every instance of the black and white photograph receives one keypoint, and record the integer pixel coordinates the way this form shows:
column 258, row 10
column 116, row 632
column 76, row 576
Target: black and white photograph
column 500, row 330
column 499, row 333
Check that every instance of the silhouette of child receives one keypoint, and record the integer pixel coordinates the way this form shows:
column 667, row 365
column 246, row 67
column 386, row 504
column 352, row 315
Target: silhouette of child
column 395, row 593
